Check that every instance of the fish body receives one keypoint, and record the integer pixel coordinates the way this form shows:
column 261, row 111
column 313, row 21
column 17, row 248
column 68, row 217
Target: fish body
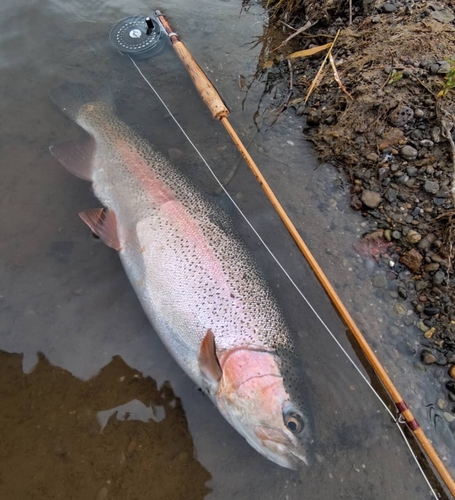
column 196, row 279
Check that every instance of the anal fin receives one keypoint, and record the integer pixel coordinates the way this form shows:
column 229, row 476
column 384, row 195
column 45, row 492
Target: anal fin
column 76, row 157
column 103, row 223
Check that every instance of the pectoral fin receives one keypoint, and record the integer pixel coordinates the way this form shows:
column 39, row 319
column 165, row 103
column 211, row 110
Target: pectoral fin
column 208, row 362
column 103, row 223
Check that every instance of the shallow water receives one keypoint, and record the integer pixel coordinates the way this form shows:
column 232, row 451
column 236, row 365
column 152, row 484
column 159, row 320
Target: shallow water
column 65, row 295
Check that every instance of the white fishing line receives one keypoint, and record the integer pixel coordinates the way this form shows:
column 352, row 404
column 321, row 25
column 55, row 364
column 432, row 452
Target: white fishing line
column 294, row 284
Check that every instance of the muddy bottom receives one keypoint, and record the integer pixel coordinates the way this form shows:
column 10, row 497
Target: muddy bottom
column 57, row 432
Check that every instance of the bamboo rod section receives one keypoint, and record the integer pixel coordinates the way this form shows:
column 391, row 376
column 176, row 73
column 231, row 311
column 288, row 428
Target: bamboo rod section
column 202, row 82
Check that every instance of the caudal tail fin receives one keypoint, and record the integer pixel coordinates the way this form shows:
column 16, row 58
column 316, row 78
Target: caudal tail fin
column 79, row 99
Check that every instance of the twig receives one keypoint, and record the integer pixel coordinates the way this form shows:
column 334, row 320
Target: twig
column 288, row 25
column 350, row 12
column 318, row 74
column 337, row 77
column 305, row 27
column 390, row 73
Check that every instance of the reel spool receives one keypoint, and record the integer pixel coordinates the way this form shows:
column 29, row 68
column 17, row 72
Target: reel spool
column 139, row 37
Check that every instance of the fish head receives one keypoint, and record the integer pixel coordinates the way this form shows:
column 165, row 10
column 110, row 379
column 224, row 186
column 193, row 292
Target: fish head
column 256, row 394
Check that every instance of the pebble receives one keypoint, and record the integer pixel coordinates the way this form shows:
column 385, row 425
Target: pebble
column 431, row 187
column 420, row 285
column 431, row 311
column 391, row 195
column 419, row 113
column 438, row 278
column 426, row 143
column 449, row 417
column 371, row 199
column 376, row 19
column 429, row 333
column 427, row 241
column 427, row 357
column 436, row 134
column 389, row 8
column 412, row 259
column 396, row 235
column 380, row 281
column 452, row 371
column 401, row 115
column 411, row 171
column 372, row 157
column 431, row 268
column 388, row 235
column 413, row 237
column 409, row 153
column 402, row 292
column 356, row 204
column 422, row 326
column 451, row 386
column 442, row 404
column 434, row 68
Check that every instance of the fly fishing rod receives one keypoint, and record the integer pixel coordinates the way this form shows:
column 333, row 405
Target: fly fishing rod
column 140, row 38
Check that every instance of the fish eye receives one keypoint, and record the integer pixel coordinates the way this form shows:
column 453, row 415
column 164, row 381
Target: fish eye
column 294, row 423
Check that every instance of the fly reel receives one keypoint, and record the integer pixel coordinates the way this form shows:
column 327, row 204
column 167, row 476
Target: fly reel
column 137, row 36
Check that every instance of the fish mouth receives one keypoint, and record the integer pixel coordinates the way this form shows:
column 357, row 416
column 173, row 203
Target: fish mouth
column 279, row 448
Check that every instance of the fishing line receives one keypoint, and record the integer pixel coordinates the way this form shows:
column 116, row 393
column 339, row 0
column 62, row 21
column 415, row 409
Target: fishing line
column 294, row 284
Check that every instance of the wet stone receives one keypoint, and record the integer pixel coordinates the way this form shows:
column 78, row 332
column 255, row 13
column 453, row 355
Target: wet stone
column 371, row 199
column 451, row 386
column 402, row 292
column 380, row 281
column 427, row 357
column 420, row 285
column 452, row 371
column 431, row 187
column 431, row 311
column 422, row 326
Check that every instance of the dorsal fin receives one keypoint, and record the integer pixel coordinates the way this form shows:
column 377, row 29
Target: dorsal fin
column 103, row 223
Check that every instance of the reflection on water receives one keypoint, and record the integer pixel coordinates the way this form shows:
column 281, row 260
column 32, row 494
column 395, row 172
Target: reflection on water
column 66, row 295
column 52, row 444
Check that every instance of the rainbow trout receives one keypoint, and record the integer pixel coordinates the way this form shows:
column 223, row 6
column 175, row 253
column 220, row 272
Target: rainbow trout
column 196, row 279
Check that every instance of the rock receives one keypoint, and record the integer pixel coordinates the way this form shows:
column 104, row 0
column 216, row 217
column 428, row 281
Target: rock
column 419, row 113
column 431, row 268
column 438, row 278
column 396, row 235
column 391, row 195
column 401, row 115
column 313, row 119
column 413, row 237
column 412, row 259
column 431, row 311
column 409, row 153
column 443, row 16
column 383, row 172
column 388, row 235
column 372, row 157
column 427, row 357
column 426, row 143
column 371, row 199
column 451, row 386
column 436, row 134
column 422, row 326
column 429, row 333
column 431, row 187
column 452, row 371
column 420, row 285
column 434, row 68
column 388, row 8
column 380, row 281
column 426, row 242
column 356, row 204
column 411, row 171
